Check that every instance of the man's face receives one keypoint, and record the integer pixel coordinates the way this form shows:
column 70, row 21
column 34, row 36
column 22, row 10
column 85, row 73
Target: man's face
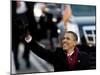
column 69, row 41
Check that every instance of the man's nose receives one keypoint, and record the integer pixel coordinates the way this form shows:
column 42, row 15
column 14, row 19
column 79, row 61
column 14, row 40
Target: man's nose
column 64, row 40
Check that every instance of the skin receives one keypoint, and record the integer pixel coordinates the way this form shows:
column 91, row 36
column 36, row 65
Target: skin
column 69, row 42
column 66, row 14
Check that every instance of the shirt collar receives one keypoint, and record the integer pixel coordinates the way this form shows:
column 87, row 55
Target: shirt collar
column 70, row 53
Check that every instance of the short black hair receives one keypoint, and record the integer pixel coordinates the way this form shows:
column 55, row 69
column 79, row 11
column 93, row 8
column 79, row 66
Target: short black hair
column 74, row 34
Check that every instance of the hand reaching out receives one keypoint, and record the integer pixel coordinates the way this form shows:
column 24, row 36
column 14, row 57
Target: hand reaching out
column 28, row 38
column 66, row 14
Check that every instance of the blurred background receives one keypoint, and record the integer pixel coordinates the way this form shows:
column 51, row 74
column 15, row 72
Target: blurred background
column 45, row 20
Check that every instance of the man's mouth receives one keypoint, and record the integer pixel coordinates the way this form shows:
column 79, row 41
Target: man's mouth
column 64, row 45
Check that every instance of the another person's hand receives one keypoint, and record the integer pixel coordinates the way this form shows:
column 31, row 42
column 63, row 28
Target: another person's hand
column 28, row 38
column 67, row 13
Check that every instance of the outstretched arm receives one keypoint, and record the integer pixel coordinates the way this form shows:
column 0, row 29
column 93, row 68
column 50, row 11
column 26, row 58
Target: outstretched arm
column 42, row 52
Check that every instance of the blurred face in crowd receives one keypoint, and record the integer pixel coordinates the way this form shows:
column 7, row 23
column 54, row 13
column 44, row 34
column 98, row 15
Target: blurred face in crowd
column 69, row 41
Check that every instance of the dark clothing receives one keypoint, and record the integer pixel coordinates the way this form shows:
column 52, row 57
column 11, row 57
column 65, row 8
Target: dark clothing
column 25, row 23
column 59, row 59
column 42, row 26
column 45, row 28
column 19, row 30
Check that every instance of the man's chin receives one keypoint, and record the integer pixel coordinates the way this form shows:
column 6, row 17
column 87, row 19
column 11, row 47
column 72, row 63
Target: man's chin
column 64, row 48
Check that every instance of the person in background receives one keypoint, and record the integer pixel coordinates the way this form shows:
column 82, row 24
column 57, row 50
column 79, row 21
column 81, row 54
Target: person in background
column 41, row 23
column 67, row 23
column 21, row 19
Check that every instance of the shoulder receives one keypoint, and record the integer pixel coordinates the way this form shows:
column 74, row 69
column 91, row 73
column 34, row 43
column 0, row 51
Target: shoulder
column 83, row 55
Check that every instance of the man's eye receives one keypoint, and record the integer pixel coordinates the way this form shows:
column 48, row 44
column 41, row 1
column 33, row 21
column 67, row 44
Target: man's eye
column 67, row 38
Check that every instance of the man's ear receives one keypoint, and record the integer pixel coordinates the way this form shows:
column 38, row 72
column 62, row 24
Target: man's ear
column 75, row 43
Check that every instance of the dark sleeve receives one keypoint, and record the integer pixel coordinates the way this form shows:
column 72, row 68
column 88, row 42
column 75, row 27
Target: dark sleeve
column 42, row 52
column 32, row 24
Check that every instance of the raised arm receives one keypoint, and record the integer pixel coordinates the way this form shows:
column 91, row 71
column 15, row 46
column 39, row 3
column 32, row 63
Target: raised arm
column 42, row 52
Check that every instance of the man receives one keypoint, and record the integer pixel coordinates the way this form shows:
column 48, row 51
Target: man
column 64, row 59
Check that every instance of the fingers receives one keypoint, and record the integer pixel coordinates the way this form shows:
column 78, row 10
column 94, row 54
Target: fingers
column 28, row 38
column 67, row 13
